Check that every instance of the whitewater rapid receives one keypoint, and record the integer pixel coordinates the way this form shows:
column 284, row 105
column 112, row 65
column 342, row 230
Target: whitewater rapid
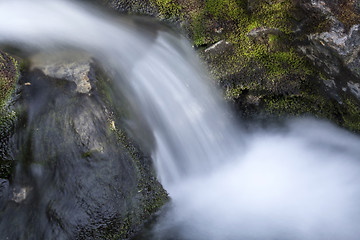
column 301, row 181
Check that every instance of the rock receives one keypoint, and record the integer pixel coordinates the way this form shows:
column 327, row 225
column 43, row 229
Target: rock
column 20, row 194
column 336, row 49
column 75, row 67
column 354, row 88
column 4, row 192
column 78, row 176
column 261, row 35
column 357, row 6
column 321, row 56
column 218, row 48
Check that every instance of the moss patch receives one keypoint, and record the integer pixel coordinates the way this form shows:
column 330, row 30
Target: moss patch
column 168, row 8
column 267, row 61
column 9, row 73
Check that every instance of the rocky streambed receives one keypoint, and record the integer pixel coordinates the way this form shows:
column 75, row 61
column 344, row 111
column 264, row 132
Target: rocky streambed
column 274, row 58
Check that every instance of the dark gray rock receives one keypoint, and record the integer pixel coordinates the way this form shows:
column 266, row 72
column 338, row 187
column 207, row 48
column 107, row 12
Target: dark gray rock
column 357, row 6
column 335, row 50
column 4, row 192
column 337, row 44
column 79, row 175
column 218, row 48
column 323, row 57
column 251, row 5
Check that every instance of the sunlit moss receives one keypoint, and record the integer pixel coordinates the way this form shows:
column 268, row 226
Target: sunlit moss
column 9, row 73
column 224, row 9
column 168, row 8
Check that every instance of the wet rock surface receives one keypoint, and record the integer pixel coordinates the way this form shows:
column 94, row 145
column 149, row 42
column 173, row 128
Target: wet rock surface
column 77, row 176
column 70, row 66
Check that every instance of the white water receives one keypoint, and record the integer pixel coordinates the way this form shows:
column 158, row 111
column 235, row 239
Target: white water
column 302, row 182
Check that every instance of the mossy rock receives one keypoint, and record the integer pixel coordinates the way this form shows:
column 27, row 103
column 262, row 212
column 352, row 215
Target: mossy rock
column 9, row 73
column 87, row 178
column 266, row 71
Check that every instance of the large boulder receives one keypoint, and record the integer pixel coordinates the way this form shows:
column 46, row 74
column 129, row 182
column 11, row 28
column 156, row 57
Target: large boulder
column 79, row 175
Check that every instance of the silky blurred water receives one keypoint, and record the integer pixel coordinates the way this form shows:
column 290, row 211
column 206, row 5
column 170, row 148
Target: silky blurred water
column 300, row 181
column 296, row 182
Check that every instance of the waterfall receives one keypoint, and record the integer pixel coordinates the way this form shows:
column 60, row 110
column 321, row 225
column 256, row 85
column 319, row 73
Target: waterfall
column 297, row 182
column 160, row 74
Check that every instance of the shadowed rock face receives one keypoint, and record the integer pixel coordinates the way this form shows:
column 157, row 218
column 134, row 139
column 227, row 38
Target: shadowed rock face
column 79, row 176
column 338, row 47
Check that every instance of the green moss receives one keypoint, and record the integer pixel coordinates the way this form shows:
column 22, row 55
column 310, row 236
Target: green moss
column 298, row 105
column 264, row 65
column 268, row 65
column 9, row 73
column 224, row 9
column 87, row 154
column 285, row 62
column 153, row 196
column 199, row 29
column 168, row 8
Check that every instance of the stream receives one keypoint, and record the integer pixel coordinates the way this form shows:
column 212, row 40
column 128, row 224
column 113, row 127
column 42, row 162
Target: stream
column 298, row 181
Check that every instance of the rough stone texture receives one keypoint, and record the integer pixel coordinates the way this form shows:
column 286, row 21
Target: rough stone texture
column 218, row 48
column 70, row 66
column 335, row 49
column 79, row 175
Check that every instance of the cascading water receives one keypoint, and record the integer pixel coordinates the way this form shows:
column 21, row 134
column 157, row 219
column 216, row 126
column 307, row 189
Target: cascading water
column 160, row 72
column 294, row 183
